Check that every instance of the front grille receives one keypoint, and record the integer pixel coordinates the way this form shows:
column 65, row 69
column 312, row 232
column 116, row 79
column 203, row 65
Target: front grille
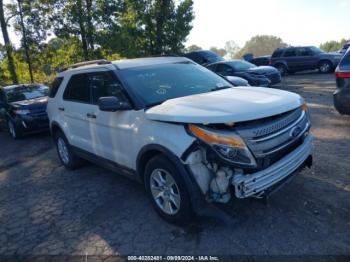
column 274, row 78
column 270, row 139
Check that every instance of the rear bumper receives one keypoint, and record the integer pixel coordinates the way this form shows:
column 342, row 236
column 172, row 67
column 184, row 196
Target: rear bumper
column 257, row 183
column 341, row 99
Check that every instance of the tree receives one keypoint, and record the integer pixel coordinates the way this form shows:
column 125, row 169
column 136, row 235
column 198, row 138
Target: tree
column 219, row 51
column 261, row 45
column 8, row 45
column 231, row 49
column 193, row 48
column 333, row 45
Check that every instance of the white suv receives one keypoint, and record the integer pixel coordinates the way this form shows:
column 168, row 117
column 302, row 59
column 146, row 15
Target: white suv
column 185, row 132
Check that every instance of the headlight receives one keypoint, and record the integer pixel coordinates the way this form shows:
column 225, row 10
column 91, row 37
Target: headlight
column 228, row 146
column 21, row 112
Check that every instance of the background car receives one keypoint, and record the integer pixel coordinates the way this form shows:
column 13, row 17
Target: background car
column 342, row 95
column 293, row 59
column 23, row 109
column 261, row 60
column 237, row 81
column 204, row 57
column 256, row 76
column 345, row 48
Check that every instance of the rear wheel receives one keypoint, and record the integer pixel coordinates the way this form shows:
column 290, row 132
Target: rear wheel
column 282, row 69
column 325, row 67
column 65, row 152
column 168, row 191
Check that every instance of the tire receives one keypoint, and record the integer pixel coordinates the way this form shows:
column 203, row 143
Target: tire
column 282, row 69
column 173, row 202
column 14, row 131
column 65, row 152
column 325, row 67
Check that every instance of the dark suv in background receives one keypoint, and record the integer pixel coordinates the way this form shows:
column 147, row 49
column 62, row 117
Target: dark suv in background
column 204, row 57
column 342, row 95
column 293, row 59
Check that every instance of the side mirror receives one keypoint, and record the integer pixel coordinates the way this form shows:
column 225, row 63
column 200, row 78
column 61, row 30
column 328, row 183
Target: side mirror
column 112, row 104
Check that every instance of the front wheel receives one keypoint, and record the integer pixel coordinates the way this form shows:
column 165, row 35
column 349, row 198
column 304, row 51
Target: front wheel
column 325, row 67
column 15, row 133
column 282, row 69
column 168, row 191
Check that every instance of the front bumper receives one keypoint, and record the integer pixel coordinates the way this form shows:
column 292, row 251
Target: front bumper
column 342, row 101
column 255, row 184
column 28, row 124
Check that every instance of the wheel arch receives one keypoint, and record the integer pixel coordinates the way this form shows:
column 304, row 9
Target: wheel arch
column 325, row 60
column 152, row 150
column 54, row 128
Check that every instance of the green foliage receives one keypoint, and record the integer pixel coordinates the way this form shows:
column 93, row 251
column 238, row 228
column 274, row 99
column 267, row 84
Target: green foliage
column 92, row 29
column 192, row 48
column 333, row 45
column 261, row 45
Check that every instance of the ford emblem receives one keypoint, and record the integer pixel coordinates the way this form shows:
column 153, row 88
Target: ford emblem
column 295, row 132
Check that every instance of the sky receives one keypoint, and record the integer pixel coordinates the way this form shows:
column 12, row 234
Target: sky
column 297, row 22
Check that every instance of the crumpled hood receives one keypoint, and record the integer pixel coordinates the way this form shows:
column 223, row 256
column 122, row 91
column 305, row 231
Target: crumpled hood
column 36, row 103
column 235, row 104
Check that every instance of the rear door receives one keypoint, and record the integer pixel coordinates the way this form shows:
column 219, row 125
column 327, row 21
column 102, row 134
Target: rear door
column 290, row 57
column 76, row 111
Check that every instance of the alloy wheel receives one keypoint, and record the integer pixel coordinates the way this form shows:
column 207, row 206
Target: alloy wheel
column 165, row 191
column 63, row 150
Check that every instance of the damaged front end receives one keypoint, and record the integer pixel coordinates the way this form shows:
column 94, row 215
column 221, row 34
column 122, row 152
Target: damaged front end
column 247, row 160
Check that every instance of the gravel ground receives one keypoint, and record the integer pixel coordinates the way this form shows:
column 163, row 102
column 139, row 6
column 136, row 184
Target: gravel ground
column 45, row 209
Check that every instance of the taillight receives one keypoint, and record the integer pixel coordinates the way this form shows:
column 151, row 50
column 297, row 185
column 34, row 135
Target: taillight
column 342, row 74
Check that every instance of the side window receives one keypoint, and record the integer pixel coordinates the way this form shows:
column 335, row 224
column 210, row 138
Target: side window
column 304, row 52
column 78, row 89
column 290, row 52
column 277, row 53
column 222, row 68
column 105, row 84
column 55, row 86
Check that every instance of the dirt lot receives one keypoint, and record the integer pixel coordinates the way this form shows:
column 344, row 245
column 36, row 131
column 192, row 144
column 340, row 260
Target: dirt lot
column 45, row 209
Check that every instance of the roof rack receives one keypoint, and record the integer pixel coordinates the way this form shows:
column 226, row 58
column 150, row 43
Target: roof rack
column 92, row 62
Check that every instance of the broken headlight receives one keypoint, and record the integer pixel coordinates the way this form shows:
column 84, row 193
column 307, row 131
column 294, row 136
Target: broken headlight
column 228, row 145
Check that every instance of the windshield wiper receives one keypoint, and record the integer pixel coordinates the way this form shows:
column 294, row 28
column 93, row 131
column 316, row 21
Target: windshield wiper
column 220, row 88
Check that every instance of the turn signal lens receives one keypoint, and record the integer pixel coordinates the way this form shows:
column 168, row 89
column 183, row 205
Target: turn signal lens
column 305, row 107
column 212, row 138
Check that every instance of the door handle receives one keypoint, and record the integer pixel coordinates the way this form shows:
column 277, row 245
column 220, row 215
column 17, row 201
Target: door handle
column 91, row 115
column 61, row 108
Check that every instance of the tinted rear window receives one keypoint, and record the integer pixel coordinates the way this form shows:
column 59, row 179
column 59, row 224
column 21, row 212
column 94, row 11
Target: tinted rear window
column 290, row 52
column 55, row 86
column 78, row 89
column 277, row 53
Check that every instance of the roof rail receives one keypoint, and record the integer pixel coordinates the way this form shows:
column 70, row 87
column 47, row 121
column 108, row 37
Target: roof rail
column 92, row 62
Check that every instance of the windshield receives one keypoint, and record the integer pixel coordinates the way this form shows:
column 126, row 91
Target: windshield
column 316, row 50
column 212, row 57
column 26, row 92
column 241, row 65
column 158, row 83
